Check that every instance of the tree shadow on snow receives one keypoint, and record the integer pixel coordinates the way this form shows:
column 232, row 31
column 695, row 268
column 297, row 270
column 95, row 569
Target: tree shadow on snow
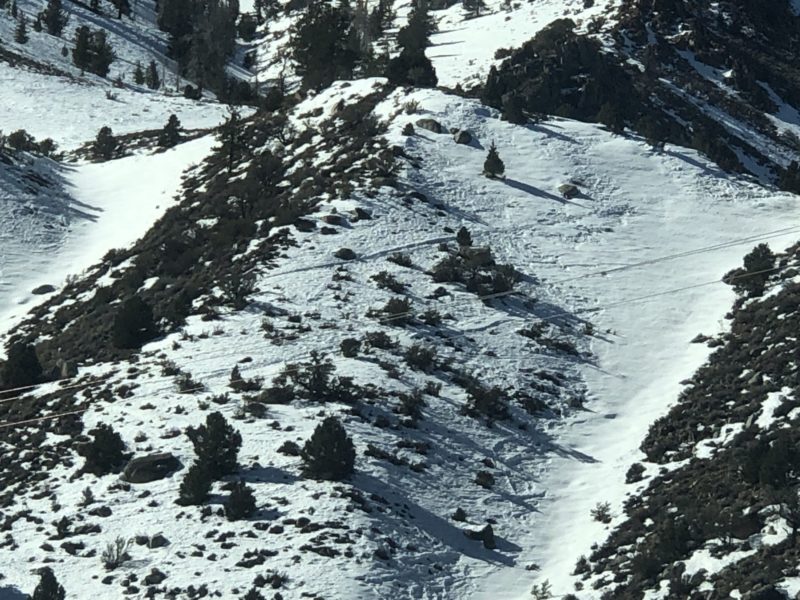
column 439, row 528
column 259, row 474
column 533, row 191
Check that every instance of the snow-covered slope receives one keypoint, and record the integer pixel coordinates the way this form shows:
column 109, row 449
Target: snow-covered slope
column 56, row 220
column 608, row 293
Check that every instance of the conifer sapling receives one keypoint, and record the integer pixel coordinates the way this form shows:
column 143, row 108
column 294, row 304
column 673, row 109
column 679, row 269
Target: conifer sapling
column 493, row 166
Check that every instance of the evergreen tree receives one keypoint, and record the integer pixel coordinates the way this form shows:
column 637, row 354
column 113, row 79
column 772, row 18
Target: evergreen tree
column 217, row 445
column 321, row 46
column 102, row 55
column 230, row 137
column 81, row 52
column 493, row 166
column 14, row 9
column 151, row 78
column 133, row 324
column 241, row 503
column 21, row 32
column 54, row 17
column 94, row 6
column 473, row 7
column 464, row 237
column 759, row 264
column 123, row 7
column 37, row 25
column 22, row 367
column 171, row 133
column 104, row 454
column 105, row 144
column 195, row 485
column 92, row 52
column 329, row 454
column 48, row 587
column 412, row 66
column 138, row 74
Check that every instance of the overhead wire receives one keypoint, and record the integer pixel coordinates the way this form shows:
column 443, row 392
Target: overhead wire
column 585, row 310
column 497, row 295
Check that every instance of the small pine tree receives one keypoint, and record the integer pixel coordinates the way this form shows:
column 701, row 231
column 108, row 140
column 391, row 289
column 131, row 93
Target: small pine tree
column 105, row 453
column 21, row 32
column 105, row 144
column 14, row 9
column 195, row 486
column 493, row 166
column 217, row 445
column 329, row 454
column 171, row 133
column 758, row 266
column 151, row 77
column 241, row 503
column 37, row 24
column 22, row 367
column 54, row 17
column 133, row 324
column 138, row 74
column 48, row 587
column 464, row 237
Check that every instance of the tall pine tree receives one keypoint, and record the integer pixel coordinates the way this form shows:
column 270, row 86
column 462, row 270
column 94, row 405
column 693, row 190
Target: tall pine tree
column 54, row 17
column 21, row 32
column 322, row 46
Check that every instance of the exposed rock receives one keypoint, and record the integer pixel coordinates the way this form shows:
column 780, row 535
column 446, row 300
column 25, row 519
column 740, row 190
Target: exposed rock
column 337, row 220
column 153, row 467
column 43, row 289
column 361, row 214
column 431, row 125
column 568, row 190
column 485, row 535
column 462, row 136
column 158, row 541
column 345, row 254
column 155, row 577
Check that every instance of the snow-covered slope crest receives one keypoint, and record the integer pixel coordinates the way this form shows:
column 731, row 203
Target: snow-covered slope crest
column 588, row 339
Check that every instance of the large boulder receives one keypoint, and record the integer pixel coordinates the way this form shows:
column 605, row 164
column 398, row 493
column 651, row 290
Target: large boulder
column 431, row 125
column 462, row 136
column 152, row 467
column 569, row 191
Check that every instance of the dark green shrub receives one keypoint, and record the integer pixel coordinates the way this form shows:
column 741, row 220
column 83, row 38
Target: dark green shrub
column 329, row 454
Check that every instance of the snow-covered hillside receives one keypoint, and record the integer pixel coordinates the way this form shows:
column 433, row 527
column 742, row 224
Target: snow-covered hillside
column 57, row 220
column 614, row 284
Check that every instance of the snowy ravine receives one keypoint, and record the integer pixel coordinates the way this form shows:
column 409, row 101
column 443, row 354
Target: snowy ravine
column 102, row 206
column 635, row 206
